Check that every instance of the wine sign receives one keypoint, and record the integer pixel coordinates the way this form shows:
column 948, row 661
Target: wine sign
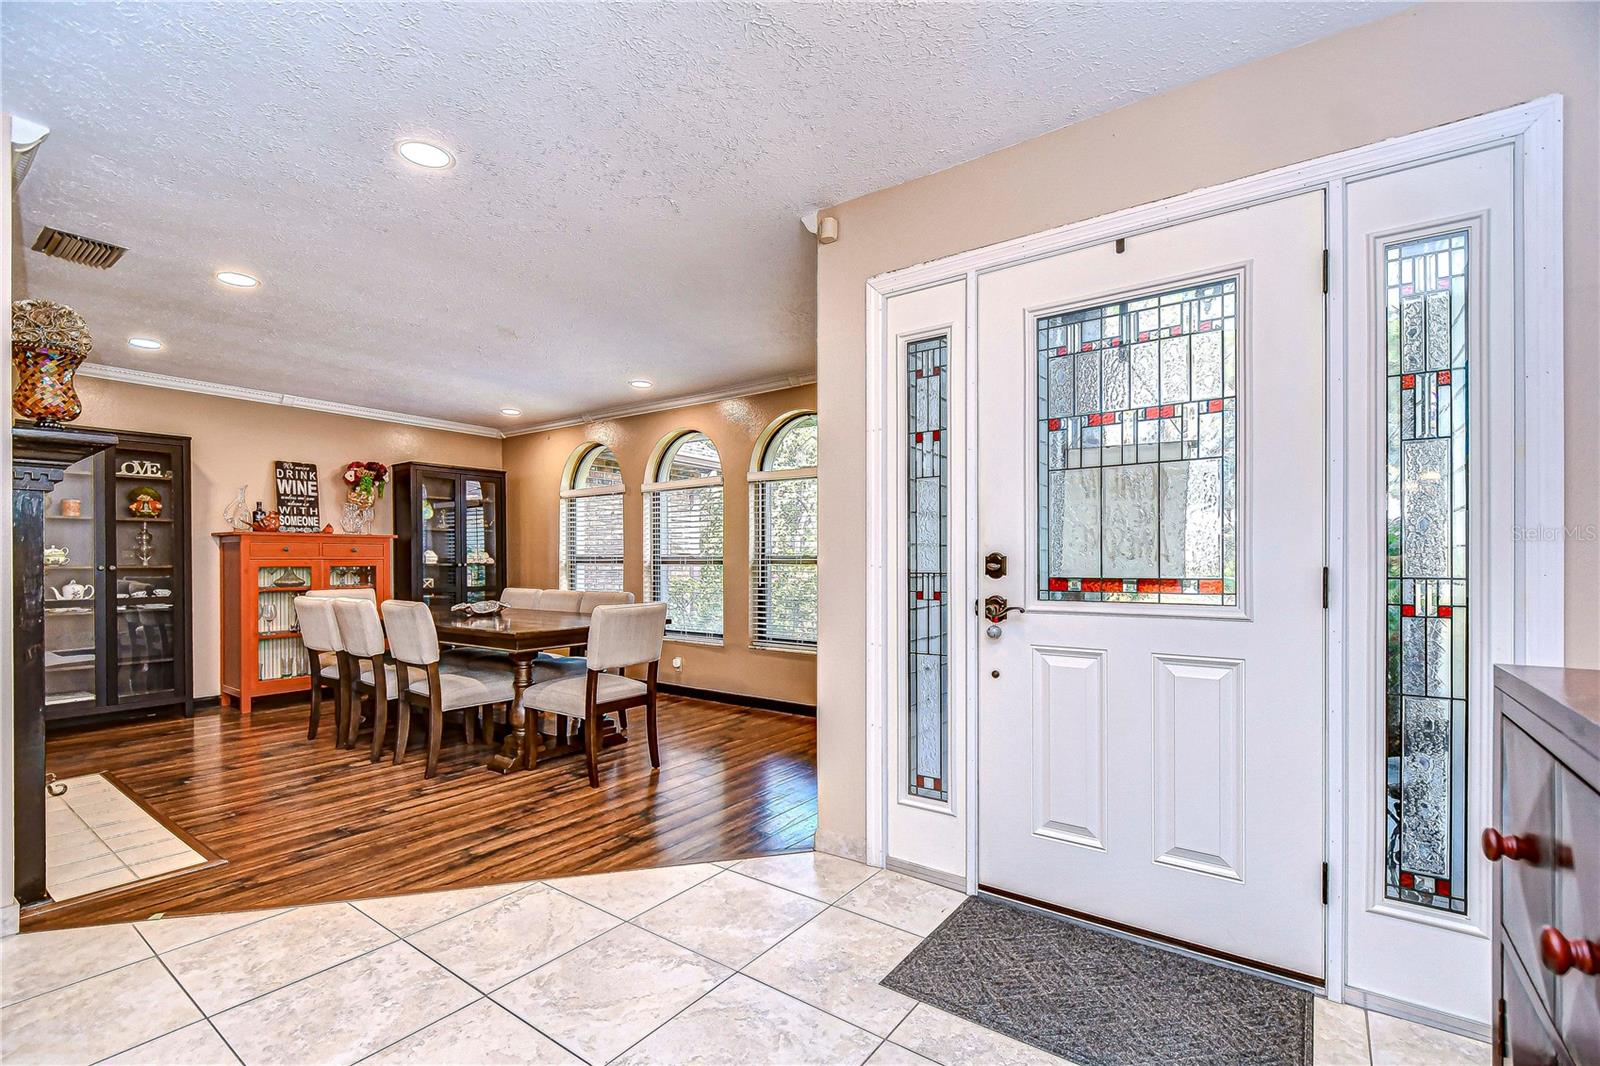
column 298, row 496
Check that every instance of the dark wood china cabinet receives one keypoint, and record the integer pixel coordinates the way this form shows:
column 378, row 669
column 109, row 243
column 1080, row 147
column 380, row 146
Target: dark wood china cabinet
column 450, row 529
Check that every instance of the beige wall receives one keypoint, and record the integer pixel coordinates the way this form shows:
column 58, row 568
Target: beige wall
column 1427, row 66
column 535, row 463
column 235, row 443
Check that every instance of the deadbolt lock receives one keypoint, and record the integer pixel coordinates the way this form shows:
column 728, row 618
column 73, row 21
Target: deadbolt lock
column 994, row 564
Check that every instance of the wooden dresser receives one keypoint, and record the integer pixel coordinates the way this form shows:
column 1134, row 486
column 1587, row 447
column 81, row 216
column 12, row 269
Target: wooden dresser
column 1546, row 844
column 262, row 573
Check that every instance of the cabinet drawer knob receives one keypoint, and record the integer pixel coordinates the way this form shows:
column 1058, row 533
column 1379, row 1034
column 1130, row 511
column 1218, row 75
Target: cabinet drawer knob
column 1560, row 954
column 1524, row 848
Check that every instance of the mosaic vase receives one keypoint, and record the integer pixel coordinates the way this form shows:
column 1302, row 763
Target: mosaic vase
column 49, row 341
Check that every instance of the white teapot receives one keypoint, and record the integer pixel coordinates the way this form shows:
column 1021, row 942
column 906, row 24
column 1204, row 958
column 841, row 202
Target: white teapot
column 72, row 590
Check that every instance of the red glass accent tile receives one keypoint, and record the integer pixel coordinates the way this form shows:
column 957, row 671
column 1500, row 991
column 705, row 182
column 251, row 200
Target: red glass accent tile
column 1058, row 584
column 1086, row 348
column 1211, row 587
column 1214, row 406
column 1204, row 326
column 1408, row 381
column 1055, row 423
column 1061, row 351
column 1160, row 584
column 938, row 596
column 1145, row 335
column 1406, row 290
column 919, row 438
column 1444, row 377
column 1175, row 330
column 1444, row 612
column 936, row 434
column 1408, row 880
column 919, row 373
column 1105, row 418
column 1116, row 342
column 919, row 594
column 938, row 785
column 1442, row 886
column 1408, row 610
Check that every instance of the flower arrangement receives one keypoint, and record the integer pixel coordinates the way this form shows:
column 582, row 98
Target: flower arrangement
column 366, row 481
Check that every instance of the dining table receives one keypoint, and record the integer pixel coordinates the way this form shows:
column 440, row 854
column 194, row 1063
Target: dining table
column 521, row 635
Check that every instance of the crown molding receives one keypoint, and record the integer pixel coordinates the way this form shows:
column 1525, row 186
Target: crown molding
column 753, row 388
column 154, row 380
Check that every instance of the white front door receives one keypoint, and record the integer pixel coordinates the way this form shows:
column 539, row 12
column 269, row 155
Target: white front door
column 1151, row 463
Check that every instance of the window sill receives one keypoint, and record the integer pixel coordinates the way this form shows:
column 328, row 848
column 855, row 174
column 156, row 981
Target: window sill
column 791, row 649
column 700, row 642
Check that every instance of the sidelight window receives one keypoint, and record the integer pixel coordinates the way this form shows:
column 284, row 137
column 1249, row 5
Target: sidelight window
column 928, row 568
column 1425, row 710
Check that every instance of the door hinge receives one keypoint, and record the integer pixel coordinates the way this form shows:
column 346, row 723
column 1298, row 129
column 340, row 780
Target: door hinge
column 1325, row 272
column 1324, row 884
column 1501, row 1050
column 1324, row 588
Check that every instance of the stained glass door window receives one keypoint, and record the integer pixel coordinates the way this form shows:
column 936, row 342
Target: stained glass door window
column 927, row 566
column 1426, row 545
column 1137, row 431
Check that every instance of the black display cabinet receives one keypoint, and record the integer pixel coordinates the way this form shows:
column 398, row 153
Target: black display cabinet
column 118, row 602
column 450, row 529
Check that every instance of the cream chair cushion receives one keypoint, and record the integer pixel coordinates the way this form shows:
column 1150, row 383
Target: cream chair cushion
column 521, row 599
column 328, row 665
column 624, row 635
column 359, row 627
column 591, row 600
column 318, row 627
column 412, row 636
column 566, row 695
column 462, row 689
column 563, row 600
column 390, row 682
column 370, row 595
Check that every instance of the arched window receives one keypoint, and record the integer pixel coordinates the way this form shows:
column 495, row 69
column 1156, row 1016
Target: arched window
column 783, row 535
column 683, row 536
column 591, row 521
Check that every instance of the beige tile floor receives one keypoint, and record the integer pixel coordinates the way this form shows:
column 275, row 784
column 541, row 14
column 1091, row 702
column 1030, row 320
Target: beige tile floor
column 98, row 838
column 772, row 960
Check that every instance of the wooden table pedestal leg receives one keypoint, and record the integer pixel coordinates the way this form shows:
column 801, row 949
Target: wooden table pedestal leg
column 516, row 752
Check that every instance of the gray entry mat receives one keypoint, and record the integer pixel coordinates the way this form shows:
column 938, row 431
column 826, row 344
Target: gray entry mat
column 1098, row 999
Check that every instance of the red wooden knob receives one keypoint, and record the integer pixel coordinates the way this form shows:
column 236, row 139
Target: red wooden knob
column 1517, row 849
column 1561, row 954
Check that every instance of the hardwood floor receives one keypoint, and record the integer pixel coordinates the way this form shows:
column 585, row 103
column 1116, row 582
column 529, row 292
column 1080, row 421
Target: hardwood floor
column 301, row 821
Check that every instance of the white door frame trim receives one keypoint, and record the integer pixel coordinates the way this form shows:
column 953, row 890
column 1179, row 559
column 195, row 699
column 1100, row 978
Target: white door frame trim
column 1535, row 130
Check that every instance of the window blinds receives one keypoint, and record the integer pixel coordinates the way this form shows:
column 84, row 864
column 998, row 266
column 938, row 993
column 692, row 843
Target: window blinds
column 783, row 563
column 683, row 556
column 591, row 542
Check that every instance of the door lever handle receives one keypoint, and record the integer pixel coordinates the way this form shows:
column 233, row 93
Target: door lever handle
column 995, row 608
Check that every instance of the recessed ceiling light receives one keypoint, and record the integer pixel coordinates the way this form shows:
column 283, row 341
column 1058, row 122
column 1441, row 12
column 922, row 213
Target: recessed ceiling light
column 236, row 279
column 642, row 383
column 424, row 154
column 510, row 412
column 149, row 344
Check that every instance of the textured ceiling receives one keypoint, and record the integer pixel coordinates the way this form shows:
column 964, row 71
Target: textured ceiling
column 628, row 192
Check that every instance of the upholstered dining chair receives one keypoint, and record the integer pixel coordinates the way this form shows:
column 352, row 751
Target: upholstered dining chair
column 620, row 635
column 369, row 674
column 319, row 633
column 521, row 599
column 567, row 601
column 433, row 688
column 591, row 600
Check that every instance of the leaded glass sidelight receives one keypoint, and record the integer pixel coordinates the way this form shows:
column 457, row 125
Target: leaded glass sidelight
column 927, row 569
column 1426, row 544
column 1137, row 428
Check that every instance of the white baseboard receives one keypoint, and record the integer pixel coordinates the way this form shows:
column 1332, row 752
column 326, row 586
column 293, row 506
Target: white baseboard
column 10, row 917
column 1410, row 1012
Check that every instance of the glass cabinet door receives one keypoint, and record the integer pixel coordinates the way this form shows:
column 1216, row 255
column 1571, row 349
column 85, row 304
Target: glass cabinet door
column 146, row 554
column 279, row 651
column 438, row 523
column 482, row 568
column 73, row 578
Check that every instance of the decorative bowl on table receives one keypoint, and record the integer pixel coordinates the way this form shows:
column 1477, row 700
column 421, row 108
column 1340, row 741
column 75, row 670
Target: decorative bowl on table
column 481, row 607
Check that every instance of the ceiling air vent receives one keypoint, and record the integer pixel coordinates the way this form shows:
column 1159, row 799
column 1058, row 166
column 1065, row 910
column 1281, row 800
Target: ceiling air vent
column 76, row 249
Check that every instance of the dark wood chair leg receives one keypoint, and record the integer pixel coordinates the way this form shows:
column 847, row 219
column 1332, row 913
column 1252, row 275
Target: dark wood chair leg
column 435, row 721
column 467, row 715
column 402, row 722
column 380, row 707
column 343, row 697
column 316, row 700
column 650, row 716
column 591, row 734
